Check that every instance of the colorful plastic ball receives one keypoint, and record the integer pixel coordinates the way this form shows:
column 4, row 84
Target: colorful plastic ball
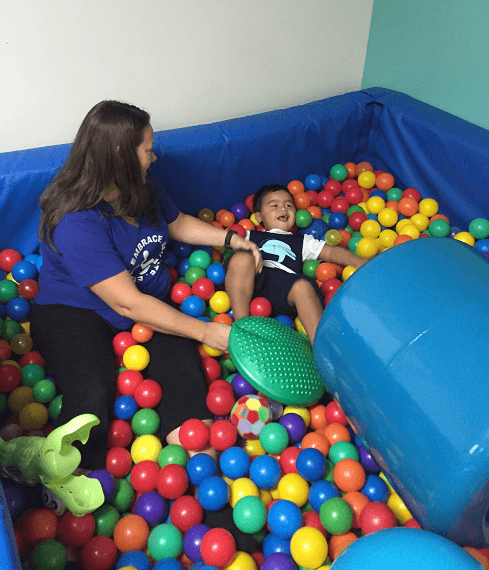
column 218, row 548
column 128, row 381
column 193, row 273
column 234, row 463
column 274, row 438
column 284, row 518
column 144, row 475
column 312, row 182
column 200, row 258
column 293, row 487
column 239, row 210
column 192, row 540
column 206, row 215
column 464, row 237
column 342, row 450
column 55, row 406
column 125, row 407
column 309, row 547
column 193, row 306
column 338, row 172
column 193, row 434
column 376, row 516
column 311, row 464
column 123, row 495
column 24, row 270
column 186, row 512
column 216, row 273
column 10, row 378
column 336, row 515
column 203, row 288
column 136, row 357
column 367, row 461
column 118, row 462
column 131, row 533
column 122, row 341
column 249, row 514
column 99, row 553
column 249, row 415
column 106, row 519
column 179, row 292
column 165, row 541
column 222, row 435
column 220, row 401
column 274, row 544
column 8, row 290
column 320, row 492
column 478, row 228
column 31, row 374
column 375, row 489
column 260, row 307
column 295, row 426
column 106, row 480
column 75, row 531
column 145, row 422
column 200, row 467
column 120, row 434
column 288, row 459
column 33, row 416
column 240, row 488
column 146, row 447
column 278, row 561
column 241, row 386
column 148, row 394
column 9, row 258
column 18, row 309
column 15, row 497
column 134, row 559
column 49, row 555
column 39, row 525
column 303, row 218
column 265, row 472
column 220, row 302
column 349, row 475
column 366, row 248
column 173, row 453
column 213, row 493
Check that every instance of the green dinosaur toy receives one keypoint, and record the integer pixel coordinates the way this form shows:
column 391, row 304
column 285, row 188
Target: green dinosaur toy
column 51, row 461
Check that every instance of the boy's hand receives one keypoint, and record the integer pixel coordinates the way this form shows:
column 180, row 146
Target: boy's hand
column 237, row 242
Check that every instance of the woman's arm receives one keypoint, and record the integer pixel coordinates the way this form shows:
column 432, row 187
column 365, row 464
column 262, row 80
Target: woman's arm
column 192, row 230
column 341, row 256
column 122, row 295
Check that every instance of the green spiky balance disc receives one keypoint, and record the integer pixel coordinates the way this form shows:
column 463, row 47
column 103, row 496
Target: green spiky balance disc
column 275, row 360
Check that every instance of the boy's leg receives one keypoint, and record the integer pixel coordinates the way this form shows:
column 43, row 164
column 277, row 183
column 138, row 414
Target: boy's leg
column 308, row 306
column 240, row 283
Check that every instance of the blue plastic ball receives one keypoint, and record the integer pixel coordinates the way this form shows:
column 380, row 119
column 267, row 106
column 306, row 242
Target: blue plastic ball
column 125, row 407
column 241, row 386
column 183, row 266
column 265, row 472
column 295, row 426
column 24, row 270
column 284, row 518
column 317, row 229
column 284, row 319
column 312, row 182
column 35, row 259
column 199, row 467
column 234, row 462
column 372, row 217
column 18, row 308
column 379, row 193
column 169, row 258
column 311, row 464
column 337, row 221
column 375, row 489
column 213, row 493
column 278, row 561
column 193, row 306
column 320, row 492
column 482, row 245
column 106, row 480
column 192, row 539
column 152, row 507
column 367, row 461
column 135, row 559
column 216, row 273
column 15, row 497
column 168, row 564
column 181, row 249
column 240, row 210
column 273, row 543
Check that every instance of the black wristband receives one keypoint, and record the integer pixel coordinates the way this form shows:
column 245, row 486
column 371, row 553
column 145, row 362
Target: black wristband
column 229, row 236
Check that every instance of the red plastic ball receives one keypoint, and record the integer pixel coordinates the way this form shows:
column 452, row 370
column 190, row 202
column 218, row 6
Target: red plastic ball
column 99, row 553
column 148, row 394
column 311, row 519
column 127, row 381
column 333, row 186
column 122, row 341
column 39, row 525
column 76, row 531
column 348, row 184
column 288, row 459
column 313, row 196
column 260, row 307
column 212, row 369
column 118, row 462
column 144, row 475
column 8, row 258
column 238, row 229
column 221, row 384
column 222, row 435
column 325, row 198
column 340, row 204
column 172, row 481
column 354, row 195
column 356, row 220
column 179, row 292
column 335, row 415
column 193, row 434
column 203, row 288
column 6, row 351
column 330, row 286
column 412, row 523
column 28, row 288
column 31, row 357
column 218, row 547
column 411, row 193
column 120, row 434
column 376, row 516
column 186, row 512
column 259, row 558
column 220, row 401
column 249, row 202
column 9, row 377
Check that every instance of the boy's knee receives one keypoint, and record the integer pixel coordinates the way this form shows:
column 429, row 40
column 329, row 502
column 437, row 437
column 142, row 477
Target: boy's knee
column 241, row 260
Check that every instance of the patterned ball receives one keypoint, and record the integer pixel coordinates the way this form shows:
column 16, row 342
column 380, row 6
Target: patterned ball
column 250, row 414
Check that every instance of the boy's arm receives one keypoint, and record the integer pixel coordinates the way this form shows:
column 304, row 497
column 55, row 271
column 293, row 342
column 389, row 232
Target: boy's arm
column 340, row 255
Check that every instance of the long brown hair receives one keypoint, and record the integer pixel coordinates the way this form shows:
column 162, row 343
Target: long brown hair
column 104, row 152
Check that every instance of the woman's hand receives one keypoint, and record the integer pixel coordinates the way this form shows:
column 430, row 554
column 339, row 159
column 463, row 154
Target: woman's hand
column 237, row 242
column 217, row 335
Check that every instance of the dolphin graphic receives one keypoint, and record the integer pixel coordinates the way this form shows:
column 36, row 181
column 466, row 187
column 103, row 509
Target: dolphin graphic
column 279, row 248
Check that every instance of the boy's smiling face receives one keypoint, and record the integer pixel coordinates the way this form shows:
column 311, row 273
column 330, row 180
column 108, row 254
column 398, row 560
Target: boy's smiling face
column 277, row 211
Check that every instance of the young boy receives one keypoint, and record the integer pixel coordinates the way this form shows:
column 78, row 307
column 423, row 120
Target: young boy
column 282, row 282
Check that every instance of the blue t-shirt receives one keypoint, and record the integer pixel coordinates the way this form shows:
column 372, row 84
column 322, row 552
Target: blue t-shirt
column 95, row 247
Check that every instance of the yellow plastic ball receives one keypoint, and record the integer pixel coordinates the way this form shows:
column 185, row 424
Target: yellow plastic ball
column 242, row 561
column 220, row 302
column 265, row 496
column 21, row 343
column 421, row 221
column 12, row 362
column 363, row 205
column 298, row 325
column 428, row 207
column 26, row 325
column 370, row 229
column 253, row 219
column 409, row 230
column 387, row 238
column 10, row 278
column 386, row 481
column 348, row 271
column 19, row 398
column 274, row 492
column 366, row 248
column 465, row 237
column 33, row 416
column 146, row 447
column 401, row 223
column 366, row 179
column 375, row 204
column 227, row 479
column 253, row 447
column 397, row 506
column 309, row 547
column 136, row 357
column 300, row 411
column 211, row 351
column 242, row 487
column 292, row 487
column 387, row 217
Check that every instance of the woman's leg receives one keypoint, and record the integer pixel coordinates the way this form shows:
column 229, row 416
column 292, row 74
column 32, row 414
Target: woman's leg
column 77, row 347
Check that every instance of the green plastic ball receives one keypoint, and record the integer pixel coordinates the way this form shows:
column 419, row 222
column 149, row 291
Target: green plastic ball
column 338, row 172
column 479, row 228
column 50, row 555
column 55, row 406
column 210, row 313
column 309, row 267
column 343, row 450
column 106, row 518
column 145, row 422
column 200, row 258
column 352, row 209
column 439, row 228
column 11, row 329
column 260, row 535
column 31, row 374
column 303, row 218
column 326, row 217
column 44, row 391
column 193, row 273
column 329, row 475
column 336, row 515
column 353, row 242
column 274, row 438
column 394, row 194
column 173, row 453
column 8, row 290
column 3, row 403
column 250, row 514
column 123, row 495
column 165, row 541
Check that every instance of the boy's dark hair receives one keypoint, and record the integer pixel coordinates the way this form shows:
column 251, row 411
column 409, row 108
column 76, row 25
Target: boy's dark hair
column 264, row 191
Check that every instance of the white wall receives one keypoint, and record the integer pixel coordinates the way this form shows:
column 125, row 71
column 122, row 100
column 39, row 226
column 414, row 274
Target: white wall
column 186, row 62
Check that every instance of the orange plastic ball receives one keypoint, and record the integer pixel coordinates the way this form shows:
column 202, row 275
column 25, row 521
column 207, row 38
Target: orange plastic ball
column 217, row 224
column 227, row 219
column 384, row 181
column 408, row 206
column 317, row 441
column 325, row 271
column 336, row 432
column 223, row 318
column 349, row 475
column 393, row 205
column 345, row 238
column 302, row 200
column 131, row 533
column 295, row 187
column 363, row 167
column 315, row 212
column 218, row 214
column 351, row 168
column 357, row 501
column 318, row 418
column 338, row 542
column 402, row 239
column 247, row 224
column 439, row 217
column 141, row 333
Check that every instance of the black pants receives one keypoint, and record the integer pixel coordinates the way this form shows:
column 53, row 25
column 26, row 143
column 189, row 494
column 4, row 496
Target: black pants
column 76, row 345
